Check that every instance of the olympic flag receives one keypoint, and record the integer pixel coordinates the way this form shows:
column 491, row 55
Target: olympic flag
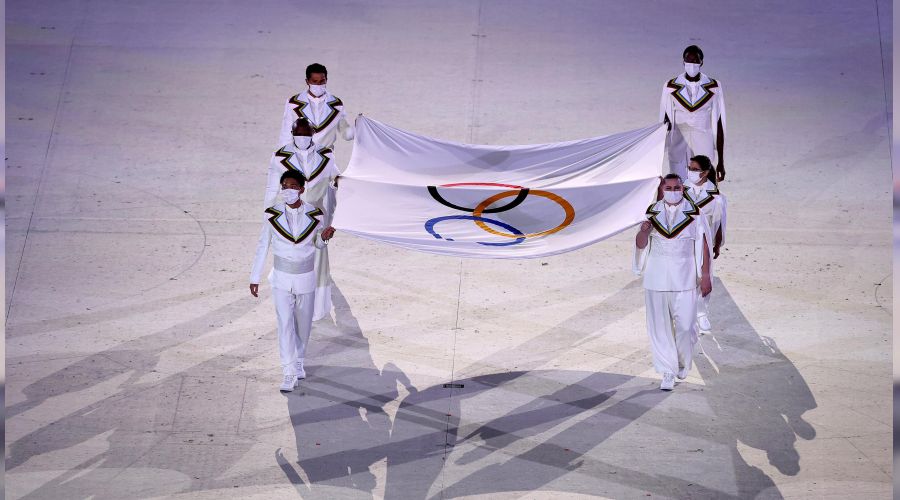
column 496, row 202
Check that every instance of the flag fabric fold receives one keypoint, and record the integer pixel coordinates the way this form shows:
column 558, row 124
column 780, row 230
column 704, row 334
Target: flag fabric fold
column 496, row 202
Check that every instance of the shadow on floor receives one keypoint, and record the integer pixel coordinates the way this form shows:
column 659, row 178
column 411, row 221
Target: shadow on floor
column 133, row 420
column 548, row 429
column 365, row 430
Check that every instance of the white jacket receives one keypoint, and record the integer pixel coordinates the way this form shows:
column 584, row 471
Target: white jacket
column 325, row 129
column 672, row 261
column 316, row 164
column 297, row 246
column 712, row 205
column 702, row 111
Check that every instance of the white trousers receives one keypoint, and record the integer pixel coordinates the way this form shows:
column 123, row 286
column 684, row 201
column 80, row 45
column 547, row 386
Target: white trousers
column 684, row 142
column 294, row 313
column 672, row 326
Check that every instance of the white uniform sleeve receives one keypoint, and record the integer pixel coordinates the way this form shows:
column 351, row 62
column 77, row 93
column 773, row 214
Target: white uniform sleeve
column 272, row 184
column 718, row 112
column 723, row 216
column 348, row 131
column 665, row 105
column 285, row 137
column 262, row 250
column 332, row 171
column 702, row 228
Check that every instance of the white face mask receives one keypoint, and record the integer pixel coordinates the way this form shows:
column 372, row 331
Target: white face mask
column 290, row 196
column 691, row 69
column 694, row 177
column 317, row 90
column 673, row 197
column 302, row 141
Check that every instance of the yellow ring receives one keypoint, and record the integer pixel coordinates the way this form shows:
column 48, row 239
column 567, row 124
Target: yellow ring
column 570, row 212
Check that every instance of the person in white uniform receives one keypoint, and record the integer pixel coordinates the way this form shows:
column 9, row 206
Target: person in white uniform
column 325, row 115
column 693, row 107
column 293, row 231
column 704, row 193
column 324, row 111
column 672, row 254
column 315, row 162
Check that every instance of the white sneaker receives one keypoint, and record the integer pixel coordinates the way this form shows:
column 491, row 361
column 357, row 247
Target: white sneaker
column 288, row 383
column 301, row 373
column 682, row 374
column 668, row 382
column 703, row 324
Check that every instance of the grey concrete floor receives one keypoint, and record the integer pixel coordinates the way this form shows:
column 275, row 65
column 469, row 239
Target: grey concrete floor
column 138, row 366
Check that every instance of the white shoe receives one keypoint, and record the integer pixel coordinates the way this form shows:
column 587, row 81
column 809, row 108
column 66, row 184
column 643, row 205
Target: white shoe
column 703, row 324
column 668, row 382
column 301, row 373
column 288, row 383
column 682, row 374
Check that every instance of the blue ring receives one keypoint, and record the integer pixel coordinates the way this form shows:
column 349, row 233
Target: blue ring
column 429, row 226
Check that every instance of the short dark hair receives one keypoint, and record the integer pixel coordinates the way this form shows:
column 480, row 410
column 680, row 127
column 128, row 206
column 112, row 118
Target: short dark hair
column 673, row 176
column 318, row 68
column 300, row 122
column 293, row 174
column 704, row 162
column 691, row 49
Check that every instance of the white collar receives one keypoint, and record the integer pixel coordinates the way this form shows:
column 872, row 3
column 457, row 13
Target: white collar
column 673, row 216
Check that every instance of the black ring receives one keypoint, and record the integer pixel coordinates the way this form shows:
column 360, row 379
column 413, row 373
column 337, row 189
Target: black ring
column 523, row 193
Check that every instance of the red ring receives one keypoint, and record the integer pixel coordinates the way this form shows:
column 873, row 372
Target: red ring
column 492, row 184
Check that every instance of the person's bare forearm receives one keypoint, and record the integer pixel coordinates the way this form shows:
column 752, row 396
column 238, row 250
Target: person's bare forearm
column 720, row 148
column 720, row 142
column 706, row 278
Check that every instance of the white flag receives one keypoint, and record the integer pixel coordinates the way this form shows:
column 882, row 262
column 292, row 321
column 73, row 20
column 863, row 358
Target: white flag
column 496, row 202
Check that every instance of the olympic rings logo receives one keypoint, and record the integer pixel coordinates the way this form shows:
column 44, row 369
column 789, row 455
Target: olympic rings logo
column 518, row 195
